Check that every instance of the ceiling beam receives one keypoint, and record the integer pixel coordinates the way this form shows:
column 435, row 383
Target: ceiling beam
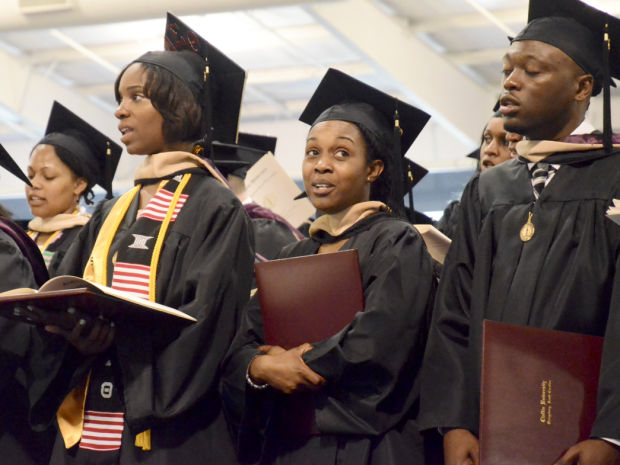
column 477, row 57
column 120, row 52
column 84, row 12
column 431, row 81
column 27, row 94
column 474, row 20
column 467, row 21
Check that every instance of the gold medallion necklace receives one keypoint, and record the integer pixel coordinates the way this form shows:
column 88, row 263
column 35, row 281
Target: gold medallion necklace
column 528, row 229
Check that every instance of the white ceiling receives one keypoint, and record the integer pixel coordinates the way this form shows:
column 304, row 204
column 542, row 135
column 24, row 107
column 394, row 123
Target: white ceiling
column 442, row 55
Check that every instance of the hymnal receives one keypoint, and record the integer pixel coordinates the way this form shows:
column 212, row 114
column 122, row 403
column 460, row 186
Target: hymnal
column 62, row 300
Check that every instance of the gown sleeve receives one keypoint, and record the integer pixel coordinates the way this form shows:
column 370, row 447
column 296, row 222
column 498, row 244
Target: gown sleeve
column 448, row 370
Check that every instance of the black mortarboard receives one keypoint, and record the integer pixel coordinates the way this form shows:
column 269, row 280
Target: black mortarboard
column 7, row 162
column 238, row 158
column 590, row 37
column 90, row 151
column 234, row 158
column 344, row 98
column 258, row 142
column 215, row 80
column 413, row 174
column 474, row 154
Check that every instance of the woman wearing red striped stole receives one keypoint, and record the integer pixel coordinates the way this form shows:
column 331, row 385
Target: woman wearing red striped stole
column 128, row 394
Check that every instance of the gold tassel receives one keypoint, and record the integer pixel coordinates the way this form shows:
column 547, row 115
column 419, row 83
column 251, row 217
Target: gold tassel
column 397, row 122
column 109, row 150
column 143, row 440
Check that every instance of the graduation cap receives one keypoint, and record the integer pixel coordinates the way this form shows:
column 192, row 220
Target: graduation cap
column 344, row 98
column 237, row 158
column 258, row 142
column 474, row 154
column 95, row 153
column 215, row 80
column 7, row 162
column 412, row 174
column 590, row 37
column 234, row 158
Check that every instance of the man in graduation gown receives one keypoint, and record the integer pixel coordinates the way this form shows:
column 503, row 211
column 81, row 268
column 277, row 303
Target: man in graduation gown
column 536, row 250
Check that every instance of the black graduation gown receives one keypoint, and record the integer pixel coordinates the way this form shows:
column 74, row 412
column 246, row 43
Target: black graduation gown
column 17, row 441
column 448, row 222
column 366, row 413
column 168, row 384
column 271, row 232
column 270, row 236
column 566, row 278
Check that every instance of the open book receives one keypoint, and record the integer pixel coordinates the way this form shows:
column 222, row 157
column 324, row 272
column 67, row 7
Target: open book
column 64, row 300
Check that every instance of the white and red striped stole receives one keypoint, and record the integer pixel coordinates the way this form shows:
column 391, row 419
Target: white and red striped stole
column 102, row 431
column 132, row 278
column 158, row 206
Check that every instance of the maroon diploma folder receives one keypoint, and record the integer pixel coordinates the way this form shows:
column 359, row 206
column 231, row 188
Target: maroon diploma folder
column 307, row 299
column 538, row 393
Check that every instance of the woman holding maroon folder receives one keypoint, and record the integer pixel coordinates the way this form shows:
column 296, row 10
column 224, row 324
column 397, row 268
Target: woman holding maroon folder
column 363, row 379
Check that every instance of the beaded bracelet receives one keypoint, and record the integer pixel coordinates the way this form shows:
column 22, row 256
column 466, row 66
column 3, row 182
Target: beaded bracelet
column 249, row 379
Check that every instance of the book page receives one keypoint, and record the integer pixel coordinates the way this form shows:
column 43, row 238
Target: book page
column 60, row 283
column 73, row 282
column 268, row 185
column 18, row 291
